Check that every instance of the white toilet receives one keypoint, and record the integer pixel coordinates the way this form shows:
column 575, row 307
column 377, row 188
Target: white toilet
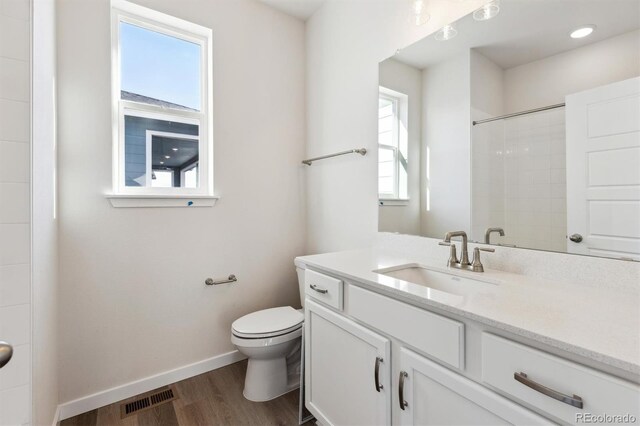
column 271, row 339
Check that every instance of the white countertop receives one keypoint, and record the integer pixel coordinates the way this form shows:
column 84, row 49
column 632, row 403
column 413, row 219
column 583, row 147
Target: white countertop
column 602, row 324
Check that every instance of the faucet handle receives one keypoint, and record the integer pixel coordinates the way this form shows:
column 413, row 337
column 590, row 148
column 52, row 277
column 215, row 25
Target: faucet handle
column 476, row 265
column 453, row 255
column 489, row 250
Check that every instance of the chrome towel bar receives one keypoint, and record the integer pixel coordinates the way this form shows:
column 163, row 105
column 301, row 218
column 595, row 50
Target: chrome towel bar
column 232, row 279
column 361, row 151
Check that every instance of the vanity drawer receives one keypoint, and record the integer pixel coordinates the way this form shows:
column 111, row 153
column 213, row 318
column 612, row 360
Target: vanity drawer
column 440, row 337
column 506, row 365
column 323, row 288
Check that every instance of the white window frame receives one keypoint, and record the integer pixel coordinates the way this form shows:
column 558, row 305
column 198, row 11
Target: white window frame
column 130, row 13
column 149, row 147
column 400, row 103
column 394, row 149
column 186, row 169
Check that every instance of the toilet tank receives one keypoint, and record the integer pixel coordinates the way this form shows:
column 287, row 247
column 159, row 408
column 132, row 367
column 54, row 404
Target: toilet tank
column 300, row 272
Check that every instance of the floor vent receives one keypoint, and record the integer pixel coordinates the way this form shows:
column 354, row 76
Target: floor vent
column 147, row 401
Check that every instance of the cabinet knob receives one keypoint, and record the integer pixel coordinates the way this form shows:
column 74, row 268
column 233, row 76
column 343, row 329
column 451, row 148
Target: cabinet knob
column 576, row 238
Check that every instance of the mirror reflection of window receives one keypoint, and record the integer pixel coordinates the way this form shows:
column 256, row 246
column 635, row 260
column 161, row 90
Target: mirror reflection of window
column 392, row 145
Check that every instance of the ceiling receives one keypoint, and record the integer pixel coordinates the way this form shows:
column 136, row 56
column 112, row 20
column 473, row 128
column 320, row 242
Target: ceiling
column 302, row 9
column 181, row 152
column 526, row 30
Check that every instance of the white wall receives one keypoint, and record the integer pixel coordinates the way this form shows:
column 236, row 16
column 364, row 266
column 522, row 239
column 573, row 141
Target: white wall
column 549, row 80
column 15, row 212
column 345, row 42
column 405, row 218
column 446, row 130
column 487, row 147
column 133, row 301
column 45, row 227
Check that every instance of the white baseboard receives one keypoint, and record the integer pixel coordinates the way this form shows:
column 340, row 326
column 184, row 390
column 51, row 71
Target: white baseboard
column 56, row 417
column 118, row 393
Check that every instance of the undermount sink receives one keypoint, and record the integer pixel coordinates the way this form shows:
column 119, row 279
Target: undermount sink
column 454, row 283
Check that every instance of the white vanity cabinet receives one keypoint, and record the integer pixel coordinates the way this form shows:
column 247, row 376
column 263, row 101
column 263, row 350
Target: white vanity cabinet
column 371, row 359
column 347, row 370
column 429, row 394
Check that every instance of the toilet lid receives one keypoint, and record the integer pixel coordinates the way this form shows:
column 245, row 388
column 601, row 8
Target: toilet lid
column 268, row 321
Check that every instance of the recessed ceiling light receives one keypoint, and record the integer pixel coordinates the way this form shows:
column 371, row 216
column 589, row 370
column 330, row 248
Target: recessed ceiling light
column 446, row 33
column 175, row 149
column 583, row 31
column 162, row 162
column 167, row 156
column 488, row 11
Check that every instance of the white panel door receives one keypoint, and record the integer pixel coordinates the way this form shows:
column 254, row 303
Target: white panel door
column 340, row 370
column 434, row 395
column 603, row 170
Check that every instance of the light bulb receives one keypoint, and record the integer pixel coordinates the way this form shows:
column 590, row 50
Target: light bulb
column 488, row 11
column 446, row 33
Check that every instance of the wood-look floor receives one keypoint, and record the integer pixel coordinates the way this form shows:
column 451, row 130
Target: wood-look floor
column 213, row 398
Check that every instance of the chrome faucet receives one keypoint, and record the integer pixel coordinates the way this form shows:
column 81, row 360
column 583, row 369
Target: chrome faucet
column 463, row 263
column 489, row 231
column 453, row 259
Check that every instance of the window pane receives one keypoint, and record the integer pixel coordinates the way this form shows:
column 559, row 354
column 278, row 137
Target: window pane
column 172, row 146
column 159, row 69
column 162, row 179
column 385, row 124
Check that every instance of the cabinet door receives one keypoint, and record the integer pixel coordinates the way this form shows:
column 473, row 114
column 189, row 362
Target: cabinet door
column 340, row 370
column 434, row 395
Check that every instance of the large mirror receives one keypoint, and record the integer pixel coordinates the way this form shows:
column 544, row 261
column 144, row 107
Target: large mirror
column 519, row 124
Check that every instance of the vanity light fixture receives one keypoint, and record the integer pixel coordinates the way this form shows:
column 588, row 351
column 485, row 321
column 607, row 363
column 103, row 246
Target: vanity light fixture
column 583, row 31
column 446, row 33
column 419, row 14
column 488, row 11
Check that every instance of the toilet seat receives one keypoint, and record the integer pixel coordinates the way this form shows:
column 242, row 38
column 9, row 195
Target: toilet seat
column 268, row 323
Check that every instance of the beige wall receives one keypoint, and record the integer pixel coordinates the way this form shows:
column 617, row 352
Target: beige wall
column 446, row 132
column 549, row 80
column 45, row 226
column 345, row 42
column 133, row 301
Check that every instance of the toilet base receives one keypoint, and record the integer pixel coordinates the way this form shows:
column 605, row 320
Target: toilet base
column 265, row 380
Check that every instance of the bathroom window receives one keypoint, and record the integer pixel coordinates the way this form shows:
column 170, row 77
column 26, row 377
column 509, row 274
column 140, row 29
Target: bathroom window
column 162, row 100
column 392, row 145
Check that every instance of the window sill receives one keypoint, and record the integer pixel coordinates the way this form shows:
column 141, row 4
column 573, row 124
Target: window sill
column 142, row 201
column 385, row 202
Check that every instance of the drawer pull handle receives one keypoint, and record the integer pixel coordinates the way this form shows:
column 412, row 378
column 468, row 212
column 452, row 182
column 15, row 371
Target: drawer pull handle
column 403, row 404
column 376, row 374
column 574, row 400
column 318, row 289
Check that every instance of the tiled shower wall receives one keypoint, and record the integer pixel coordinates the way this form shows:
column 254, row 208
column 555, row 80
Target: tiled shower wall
column 519, row 180
column 15, row 256
column 535, row 181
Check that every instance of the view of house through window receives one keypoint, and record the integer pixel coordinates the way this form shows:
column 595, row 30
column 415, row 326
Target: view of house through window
column 392, row 145
column 163, row 103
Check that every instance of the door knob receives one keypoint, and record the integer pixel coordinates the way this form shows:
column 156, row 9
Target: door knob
column 6, row 352
column 576, row 238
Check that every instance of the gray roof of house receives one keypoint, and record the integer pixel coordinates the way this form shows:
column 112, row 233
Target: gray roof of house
column 134, row 97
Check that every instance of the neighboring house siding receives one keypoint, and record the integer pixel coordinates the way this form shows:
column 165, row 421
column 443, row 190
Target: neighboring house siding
column 135, row 140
